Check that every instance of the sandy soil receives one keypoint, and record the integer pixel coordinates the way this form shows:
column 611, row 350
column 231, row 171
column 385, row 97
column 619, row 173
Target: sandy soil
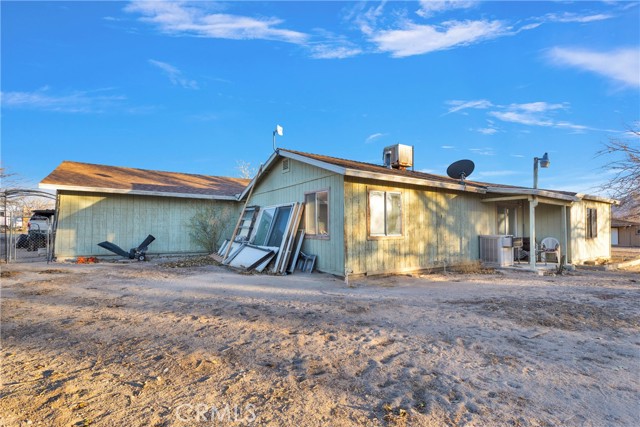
column 148, row 345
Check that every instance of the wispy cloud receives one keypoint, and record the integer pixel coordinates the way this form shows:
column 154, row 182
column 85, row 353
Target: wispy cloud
column 489, row 174
column 532, row 113
column 198, row 20
column 622, row 65
column 74, row 102
column 206, row 117
column 414, row 39
column 529, row 114
column 447, row 147
column 431, row 7
column 456, row 105
column 332, row 46
column 327, row 51
column 487, row 131
column 175, row 75
column 408, row 37
column 203, row 19
column 373, row 137
column 567, row 17
column 487, row 151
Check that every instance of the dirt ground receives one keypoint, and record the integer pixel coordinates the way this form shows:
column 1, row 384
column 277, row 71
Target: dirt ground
column 170, row 344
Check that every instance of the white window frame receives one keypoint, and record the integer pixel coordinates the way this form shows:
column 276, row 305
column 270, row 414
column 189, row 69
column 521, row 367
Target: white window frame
column 316, row 234
column 386, row 234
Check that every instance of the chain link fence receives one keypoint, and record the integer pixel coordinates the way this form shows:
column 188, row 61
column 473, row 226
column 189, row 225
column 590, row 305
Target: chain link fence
column 21, row 244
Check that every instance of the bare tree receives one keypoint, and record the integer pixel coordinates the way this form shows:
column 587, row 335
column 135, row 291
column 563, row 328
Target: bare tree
column 625, row 166
column 245, row 169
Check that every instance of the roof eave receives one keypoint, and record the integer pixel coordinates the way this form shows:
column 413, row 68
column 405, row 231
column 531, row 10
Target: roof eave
column 134, row 192
column 313, row 162
column 533, row 192
column 414, row 181
column 598, row 199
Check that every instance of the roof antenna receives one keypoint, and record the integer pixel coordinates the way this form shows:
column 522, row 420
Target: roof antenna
column 278, row 132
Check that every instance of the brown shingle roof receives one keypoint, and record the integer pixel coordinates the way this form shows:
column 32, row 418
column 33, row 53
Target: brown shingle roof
column 623, row 223
column 89, row 176
column 370, row 167
column 427, row 177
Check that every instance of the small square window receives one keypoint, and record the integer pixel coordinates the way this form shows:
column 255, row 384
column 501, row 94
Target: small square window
column 285, row 165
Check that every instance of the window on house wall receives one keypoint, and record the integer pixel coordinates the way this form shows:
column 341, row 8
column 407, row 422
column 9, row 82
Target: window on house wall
column 385, row 213
column 592, row 223
column 316, row 213
column 507, row 220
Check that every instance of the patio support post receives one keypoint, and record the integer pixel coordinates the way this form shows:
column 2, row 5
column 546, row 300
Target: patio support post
column 533, row 202
column 564, row 250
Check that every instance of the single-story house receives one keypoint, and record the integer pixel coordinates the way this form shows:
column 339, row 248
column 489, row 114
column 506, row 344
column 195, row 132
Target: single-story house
column 625, row 233
column 359, row 218
column 366, row 219
column 97, row 203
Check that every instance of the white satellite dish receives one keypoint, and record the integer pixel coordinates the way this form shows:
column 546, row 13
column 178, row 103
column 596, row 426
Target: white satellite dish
column 278, row 132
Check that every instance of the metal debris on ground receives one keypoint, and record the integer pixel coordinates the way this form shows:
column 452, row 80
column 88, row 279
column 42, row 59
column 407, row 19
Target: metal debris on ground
column 139, row 253
column 306, row 263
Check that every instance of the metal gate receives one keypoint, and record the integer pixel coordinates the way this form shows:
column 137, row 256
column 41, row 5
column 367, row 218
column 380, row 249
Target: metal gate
column 20, row 242
column 20, row 245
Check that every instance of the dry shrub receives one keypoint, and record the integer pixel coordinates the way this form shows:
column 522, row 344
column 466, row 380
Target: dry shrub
column 472, row 267
column 8, row 274
column 395, row 416
column 209, row 224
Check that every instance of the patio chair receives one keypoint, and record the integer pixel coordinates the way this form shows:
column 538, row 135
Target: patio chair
column 549, row 245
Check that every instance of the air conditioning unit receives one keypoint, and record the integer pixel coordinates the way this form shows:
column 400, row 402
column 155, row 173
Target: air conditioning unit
column 398, row 156
column 496, row 250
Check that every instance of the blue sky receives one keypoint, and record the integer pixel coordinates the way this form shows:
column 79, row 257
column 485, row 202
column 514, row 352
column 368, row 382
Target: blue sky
column 199, row 86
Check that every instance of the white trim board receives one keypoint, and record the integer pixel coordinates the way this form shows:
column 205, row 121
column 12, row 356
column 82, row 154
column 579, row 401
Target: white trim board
column 135, row 192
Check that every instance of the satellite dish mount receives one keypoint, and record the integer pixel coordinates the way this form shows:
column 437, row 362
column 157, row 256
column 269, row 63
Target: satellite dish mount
column 460, row 170
column 277, row 131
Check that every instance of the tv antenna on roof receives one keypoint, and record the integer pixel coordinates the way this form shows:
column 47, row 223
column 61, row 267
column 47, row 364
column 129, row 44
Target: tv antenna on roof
column 460, row 170
column 277, row 131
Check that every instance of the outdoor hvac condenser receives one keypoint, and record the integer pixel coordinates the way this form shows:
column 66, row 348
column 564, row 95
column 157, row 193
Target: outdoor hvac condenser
column 496, row 250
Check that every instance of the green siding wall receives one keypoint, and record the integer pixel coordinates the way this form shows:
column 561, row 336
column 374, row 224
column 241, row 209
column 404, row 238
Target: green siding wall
column 86, row 219
column 278, row 187
column 439, row 226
